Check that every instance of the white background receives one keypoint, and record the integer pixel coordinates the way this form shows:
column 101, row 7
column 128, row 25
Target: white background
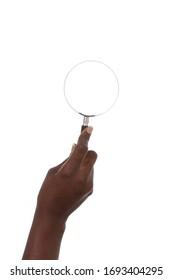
column 128, row 220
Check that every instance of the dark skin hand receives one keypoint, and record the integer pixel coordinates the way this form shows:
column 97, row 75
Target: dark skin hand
column 64, row 189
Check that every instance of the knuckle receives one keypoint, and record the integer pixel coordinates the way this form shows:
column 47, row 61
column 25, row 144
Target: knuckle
column 65, row 172
column 79, row 192
column 82, row 148
column 81, row 179
column 93, row 154
column 91, row 192
column 51, row 171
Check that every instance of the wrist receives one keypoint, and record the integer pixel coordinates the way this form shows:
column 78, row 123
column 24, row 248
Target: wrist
column 45, row 237
column 48, row 220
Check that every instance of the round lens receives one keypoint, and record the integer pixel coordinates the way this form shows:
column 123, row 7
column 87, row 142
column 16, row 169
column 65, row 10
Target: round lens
column 91, row 88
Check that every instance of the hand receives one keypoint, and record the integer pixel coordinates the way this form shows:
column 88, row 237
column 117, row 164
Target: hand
column 68, row 185
column 65, row 187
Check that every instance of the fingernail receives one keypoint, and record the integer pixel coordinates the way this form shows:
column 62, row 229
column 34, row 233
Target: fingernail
column 89, row 129
column 73, row 147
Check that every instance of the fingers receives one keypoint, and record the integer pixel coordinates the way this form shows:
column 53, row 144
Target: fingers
column 88, row 162
column 55, row 169
column 79, row 152
column 84, row 137
column 73, row 148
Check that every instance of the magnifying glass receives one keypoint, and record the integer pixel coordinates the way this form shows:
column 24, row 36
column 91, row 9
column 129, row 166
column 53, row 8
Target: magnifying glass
column 91, row 89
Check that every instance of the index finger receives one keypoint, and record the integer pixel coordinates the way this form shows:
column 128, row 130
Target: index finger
column 84, row 137
column 79, row 152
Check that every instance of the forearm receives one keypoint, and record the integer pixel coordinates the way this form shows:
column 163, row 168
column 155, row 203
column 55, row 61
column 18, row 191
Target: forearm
column 44, row 239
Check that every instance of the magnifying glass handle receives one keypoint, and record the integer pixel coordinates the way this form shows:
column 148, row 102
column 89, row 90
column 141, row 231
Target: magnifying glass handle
column 83, row 127
column 85, row 123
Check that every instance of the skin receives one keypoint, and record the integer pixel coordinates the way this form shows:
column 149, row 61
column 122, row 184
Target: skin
column 64, row 189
